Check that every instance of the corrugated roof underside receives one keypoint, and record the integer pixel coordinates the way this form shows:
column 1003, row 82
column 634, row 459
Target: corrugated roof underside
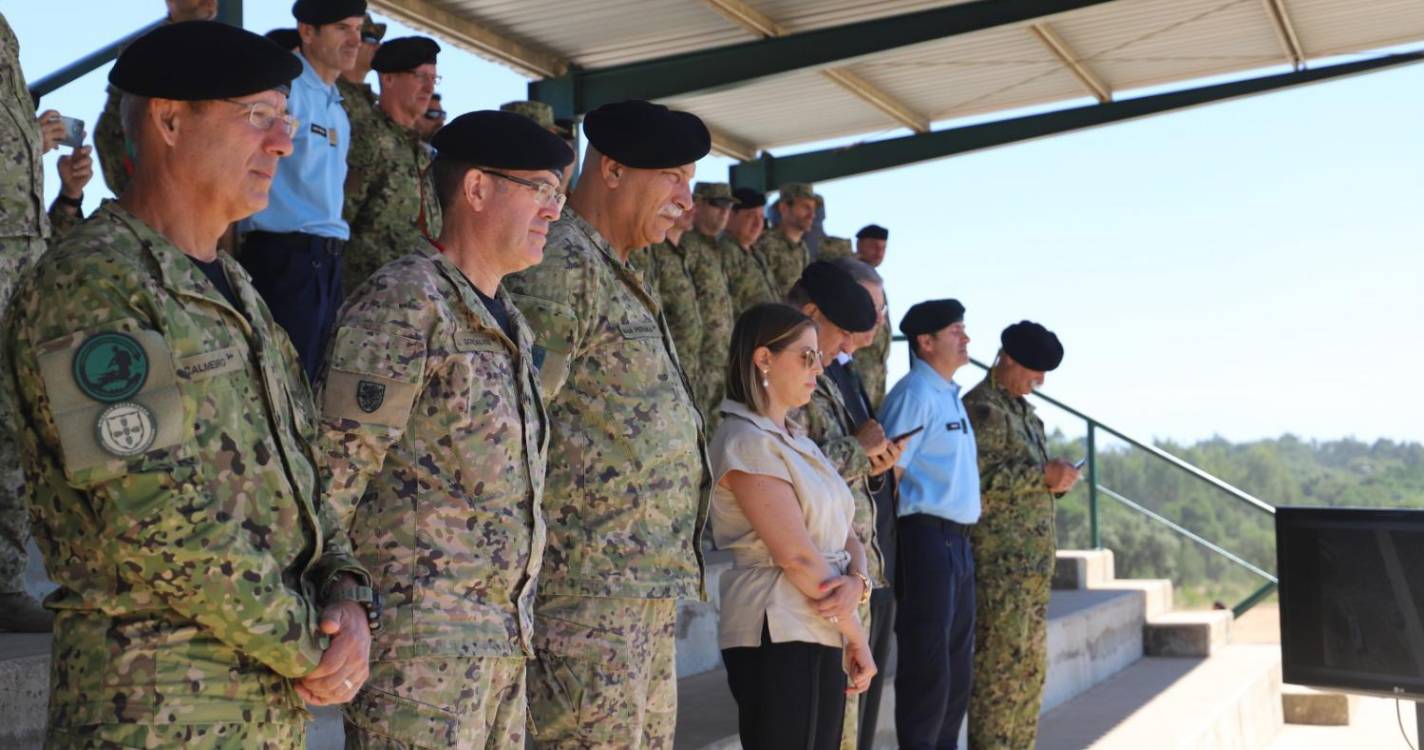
column 1125, row 45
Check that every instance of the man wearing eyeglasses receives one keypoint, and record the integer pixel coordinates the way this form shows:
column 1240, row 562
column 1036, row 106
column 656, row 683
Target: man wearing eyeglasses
column 435, row 441
column 205, row 592
column 628, row 480
column 390, row 200
column 357, row 96
column 293, row 247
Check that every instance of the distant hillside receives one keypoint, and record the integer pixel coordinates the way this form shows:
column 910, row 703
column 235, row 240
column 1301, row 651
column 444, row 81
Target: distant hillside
column 1283, row 471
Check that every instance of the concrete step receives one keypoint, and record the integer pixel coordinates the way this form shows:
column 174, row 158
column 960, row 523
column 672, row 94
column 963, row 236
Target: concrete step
column 1230, row 701
column 1082, row 569
column 1189, row 634
column 1092, row 635
column 697, row 650
column 1303, row 705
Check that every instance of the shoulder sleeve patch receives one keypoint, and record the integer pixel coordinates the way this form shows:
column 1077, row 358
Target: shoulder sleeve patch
column 373, row 377
column 113, row 395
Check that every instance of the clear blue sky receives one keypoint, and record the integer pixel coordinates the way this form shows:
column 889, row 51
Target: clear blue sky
column 1245, row 269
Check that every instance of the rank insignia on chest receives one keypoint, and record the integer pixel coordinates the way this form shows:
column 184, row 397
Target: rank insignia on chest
column 960, row 426
column 328, row 133
column 110, row 367
column 370, row 395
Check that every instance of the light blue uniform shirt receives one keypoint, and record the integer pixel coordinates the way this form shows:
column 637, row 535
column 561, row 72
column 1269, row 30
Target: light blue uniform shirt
column 941, row 463
column 309, row 188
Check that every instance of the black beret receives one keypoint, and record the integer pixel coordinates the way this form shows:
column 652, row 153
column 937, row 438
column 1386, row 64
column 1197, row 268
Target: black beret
column 644, row 135
column 287, row 39
column 840, row 298
column 405, row 53
column 931, row 316
column 193, row 61
column 322, row 12
column 502, row 140
column 1032, row 346
column 748, row 198
column 874, row 232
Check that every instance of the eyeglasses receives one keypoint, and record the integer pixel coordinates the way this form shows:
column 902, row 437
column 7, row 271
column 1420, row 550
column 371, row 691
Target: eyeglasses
column 264, row 116
column 549, row 194
column 810, row 357
column 424, row 77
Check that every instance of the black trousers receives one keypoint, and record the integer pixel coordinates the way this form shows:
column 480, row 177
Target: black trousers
column 299, row 277
column 882, row 634
column 789, row 695
column 935, row 628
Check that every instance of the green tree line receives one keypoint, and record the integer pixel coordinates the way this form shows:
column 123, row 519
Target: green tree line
column 1280, row 471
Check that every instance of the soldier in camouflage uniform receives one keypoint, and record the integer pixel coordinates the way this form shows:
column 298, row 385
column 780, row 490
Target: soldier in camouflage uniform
column 357, row 96
column 671, row 283
column 1013, row 541
column 115, row 154
column 435, row 440
column 390, row 200
column 23, row 231
column 544, row 115
column 861, row 455
column 784, row 247
column 870, row 360
column 749, row 281
column 627, row 490
column 832, row 248
column 169, row 439
column 712, row 203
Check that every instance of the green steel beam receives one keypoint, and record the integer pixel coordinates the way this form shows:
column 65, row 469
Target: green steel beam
column 818, row 166
column 79, row 68
column 579, row 91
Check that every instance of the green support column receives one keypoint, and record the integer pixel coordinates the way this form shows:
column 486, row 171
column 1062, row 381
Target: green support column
column 819, row 166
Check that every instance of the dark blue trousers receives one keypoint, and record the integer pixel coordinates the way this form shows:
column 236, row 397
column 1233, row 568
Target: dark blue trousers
column 935, row 628
column 299, row 277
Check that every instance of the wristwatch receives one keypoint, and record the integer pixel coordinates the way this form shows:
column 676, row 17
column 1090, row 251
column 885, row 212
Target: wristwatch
column 865, row 592
column 367, row 597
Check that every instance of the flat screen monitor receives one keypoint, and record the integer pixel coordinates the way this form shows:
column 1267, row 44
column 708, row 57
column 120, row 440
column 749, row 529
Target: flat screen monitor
column 1352, row 599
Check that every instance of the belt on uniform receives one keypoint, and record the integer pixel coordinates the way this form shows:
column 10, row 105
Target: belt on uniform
column 943, row 524
column 301, row 240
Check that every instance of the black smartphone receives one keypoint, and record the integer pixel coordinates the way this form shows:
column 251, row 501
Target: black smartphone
column 911, row 433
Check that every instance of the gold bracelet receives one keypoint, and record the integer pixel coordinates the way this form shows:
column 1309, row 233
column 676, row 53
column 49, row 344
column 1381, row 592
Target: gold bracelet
column 865, row 592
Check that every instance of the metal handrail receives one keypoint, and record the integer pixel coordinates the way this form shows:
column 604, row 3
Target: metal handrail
column 1095, row 532
column 79, row 68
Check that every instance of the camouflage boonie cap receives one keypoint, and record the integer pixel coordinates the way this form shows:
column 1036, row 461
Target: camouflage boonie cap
column 793, row 190
column 713, row 192
column 369, row 28
column 538, row 112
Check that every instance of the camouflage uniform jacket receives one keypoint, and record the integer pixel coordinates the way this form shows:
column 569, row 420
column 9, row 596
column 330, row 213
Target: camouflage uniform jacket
column 434, row 441
column 110, row 145
column 169, row 446
column 628, row 486
column 870, row 363
column 830, row 427
column 645, row 265
column 389, row 193
column 749, row 281
column 677, row 296
column 1015, row 533
column 704, row 265
column 22, row 211
column 784, row 258
column 359, row 101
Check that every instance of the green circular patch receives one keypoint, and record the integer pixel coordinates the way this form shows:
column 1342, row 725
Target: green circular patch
column 110, row 367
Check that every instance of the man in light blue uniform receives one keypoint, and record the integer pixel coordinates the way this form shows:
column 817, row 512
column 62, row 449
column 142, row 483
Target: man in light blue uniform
column 939, row 503
column 293, row 248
